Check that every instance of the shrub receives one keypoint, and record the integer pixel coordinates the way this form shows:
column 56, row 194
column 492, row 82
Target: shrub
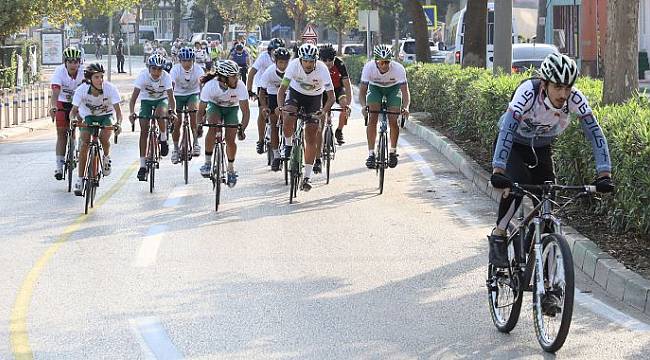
column 355, row 65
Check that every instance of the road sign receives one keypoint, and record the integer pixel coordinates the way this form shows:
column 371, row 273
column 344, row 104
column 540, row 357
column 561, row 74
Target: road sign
column 310, row 35
column 364, row 22
column 431, row 13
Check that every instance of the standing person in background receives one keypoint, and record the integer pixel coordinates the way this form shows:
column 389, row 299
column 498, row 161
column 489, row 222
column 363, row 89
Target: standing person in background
column 119, row 52
column 98, row 47
column 200, row 55
column 214, row 52
column 148, row 50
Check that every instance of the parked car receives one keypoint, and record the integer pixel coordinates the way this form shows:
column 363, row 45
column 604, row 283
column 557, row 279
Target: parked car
column 352, row 49
column 205, row 36
column 525, row 56
column 407, row 51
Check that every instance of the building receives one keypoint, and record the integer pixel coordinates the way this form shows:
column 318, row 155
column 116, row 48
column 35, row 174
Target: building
column 161, row 17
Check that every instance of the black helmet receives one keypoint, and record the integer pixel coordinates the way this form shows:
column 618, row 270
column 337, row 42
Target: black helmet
column 275, row 43
column 281, row 54
column 327, row 53
column 93, row 68
column 168, row 65
column 239, row 47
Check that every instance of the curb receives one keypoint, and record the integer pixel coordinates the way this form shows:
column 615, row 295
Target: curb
column 618, row 281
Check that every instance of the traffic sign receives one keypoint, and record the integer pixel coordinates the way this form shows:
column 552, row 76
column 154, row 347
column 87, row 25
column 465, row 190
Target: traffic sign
column 368, row 18
column 431, row 13
column 309, row 33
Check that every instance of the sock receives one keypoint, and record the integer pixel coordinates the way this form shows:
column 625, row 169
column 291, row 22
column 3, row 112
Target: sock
column 163, row 136
column 60, row 159
column 176, row 146
column 276, row 153
column 393, row 150
column 308, row 170
column 231, row 165
column 143, row 162
column 208, row 159
column 371, row 152
column 288, row 140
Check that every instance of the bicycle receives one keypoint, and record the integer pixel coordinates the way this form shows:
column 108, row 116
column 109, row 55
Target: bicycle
column 94, row 164
column 329, row 150
column 546, row 269
column 381, row 164
column 185, row 153
column 267, row 141
column 152, row 154
column 71, row 154
column 297, row 153
column 218, row 173
column 281, row 143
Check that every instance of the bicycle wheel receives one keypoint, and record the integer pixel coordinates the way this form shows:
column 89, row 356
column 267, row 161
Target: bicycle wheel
column 185, row 153
column 381, row 164
column 88, row 182
column 69, row 161
column 294, row 169
column 329, row 152
column 505, row 294
column 151, row 156
column 217, row 163
column 553, row 310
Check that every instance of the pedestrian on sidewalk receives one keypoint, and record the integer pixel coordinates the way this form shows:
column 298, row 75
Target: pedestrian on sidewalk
column 119, row 52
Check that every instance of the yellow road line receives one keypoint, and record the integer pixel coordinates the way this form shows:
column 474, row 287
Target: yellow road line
column 18, row 334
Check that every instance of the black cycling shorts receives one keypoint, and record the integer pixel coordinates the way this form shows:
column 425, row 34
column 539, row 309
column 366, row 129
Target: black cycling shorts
column 338, row 92
column 308, row 104
column 273, row 101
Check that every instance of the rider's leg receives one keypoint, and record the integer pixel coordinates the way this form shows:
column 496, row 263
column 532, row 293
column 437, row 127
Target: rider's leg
column 83, row 151
column 311, row 146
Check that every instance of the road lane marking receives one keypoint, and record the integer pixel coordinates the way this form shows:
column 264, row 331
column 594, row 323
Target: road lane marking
column 18, row 332
column 598, row 307
column 153, row 338
column 176, row 196
column 148, row 251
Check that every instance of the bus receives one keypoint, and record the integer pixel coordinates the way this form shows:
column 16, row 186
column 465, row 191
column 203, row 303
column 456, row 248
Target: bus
column 454, row 35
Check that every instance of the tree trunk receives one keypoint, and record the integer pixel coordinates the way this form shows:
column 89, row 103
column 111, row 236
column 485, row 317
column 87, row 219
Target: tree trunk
column 138, row 18
column 422, row 50
column 621, row 51
column 541, row 28
column 340, row 40
column 176, row 27
column 475, row 34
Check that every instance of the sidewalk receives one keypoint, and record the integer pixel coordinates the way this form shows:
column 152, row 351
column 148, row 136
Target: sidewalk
column 123, row 82
column 618, row 281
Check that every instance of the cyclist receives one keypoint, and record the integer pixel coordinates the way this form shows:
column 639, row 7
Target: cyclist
column 201, row 56
column 95, row 101
column 269, row 85
column 260, row 65
column 155, row 89
column 67, row 77
column 383, row 78
column 222, row 96
column 537, row 114
column 242, row 58
column 186, row 78
column 342, row 86
column 306, row 78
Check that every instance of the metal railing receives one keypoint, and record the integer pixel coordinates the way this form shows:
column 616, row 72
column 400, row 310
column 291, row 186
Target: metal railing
column 21, row 106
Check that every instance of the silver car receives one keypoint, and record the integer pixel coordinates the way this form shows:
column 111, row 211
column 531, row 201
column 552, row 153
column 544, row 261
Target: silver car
column 525, row 56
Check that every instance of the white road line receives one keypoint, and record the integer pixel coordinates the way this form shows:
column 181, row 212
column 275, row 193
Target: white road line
column 600, row 308
column 176, row 196
column 153, row 339
column 148, row 251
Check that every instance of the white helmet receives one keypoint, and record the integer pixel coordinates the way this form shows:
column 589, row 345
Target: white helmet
column 308, row 52
column 227, row 68
column 382, row 52
column 559, row 69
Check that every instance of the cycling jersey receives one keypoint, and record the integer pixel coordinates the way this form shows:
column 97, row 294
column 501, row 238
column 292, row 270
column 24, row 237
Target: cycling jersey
column 186, row 82
column 270, row 80
column 260, row 65
column 312, row 84
column 201, row 57
column 528, row 111
column 68, row 84
column 338, row 73
column 101, row 105
column 153, row 89
column 213, row 93
column 240, row 58
column 396, row 75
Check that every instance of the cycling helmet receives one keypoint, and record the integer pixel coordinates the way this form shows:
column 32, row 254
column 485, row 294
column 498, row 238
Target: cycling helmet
column 327, row 53
column 382, row 52
column 156, row 60
column 93, row 68
column 275, row 43
column 168, row 65
column 559, row 69
column 71, row 53
column 239, row 47
column 186, row 53
column 308, row 52
column 281, row 54
column 227, row 68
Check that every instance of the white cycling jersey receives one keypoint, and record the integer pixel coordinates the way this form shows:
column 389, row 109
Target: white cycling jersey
column 96, row 105
column 67, row 83
column 312, row 84
column 186, row 82
column 261, row 64
column 396, row 74
column 270, row 80
column 214, row 93
column 151, row 89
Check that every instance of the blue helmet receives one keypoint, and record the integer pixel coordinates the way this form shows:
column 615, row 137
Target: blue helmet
column 156, row 60
column 186, row 54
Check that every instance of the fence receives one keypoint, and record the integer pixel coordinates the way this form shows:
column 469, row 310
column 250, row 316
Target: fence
column 20, row 106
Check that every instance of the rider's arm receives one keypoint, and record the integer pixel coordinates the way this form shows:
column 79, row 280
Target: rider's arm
column 594, row 133
column 505, row 141
column 201, row 112
column 406, row 96
column 251, row 76
column 246, row 113
column 282, row 91
column 134, row 98
column 363, row 90
column 74, row 113
column 347, row 85
column 171, row 100
column 331, row 97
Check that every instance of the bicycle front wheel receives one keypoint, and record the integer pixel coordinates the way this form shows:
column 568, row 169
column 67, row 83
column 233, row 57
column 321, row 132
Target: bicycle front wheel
column 505, row 294
column 329, row 152
column 217, row 163
column 69, row 161
column 382, row 162
column 186, row 152
column 152, row 157
column 553, row 305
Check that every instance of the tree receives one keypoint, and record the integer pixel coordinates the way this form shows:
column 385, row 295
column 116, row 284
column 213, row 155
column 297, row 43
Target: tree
column 420, row 32
column 16, row 15
column 176, row 25
column 621, row 51
column 228, row 10
column 475, row 35
column 300, row 11
column 340, row 15
column 257, row 12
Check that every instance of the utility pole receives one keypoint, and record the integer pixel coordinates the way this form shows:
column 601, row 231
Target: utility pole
column 398, row 9
column 541, row 22
column 502, row 36
column 109, row 42
column 205, row 21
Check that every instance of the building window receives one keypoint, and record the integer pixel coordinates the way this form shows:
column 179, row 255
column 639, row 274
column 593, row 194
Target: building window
column 566, row 27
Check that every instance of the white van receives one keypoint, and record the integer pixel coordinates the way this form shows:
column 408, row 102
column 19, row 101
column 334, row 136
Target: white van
column 454, row 34
column 147, row 33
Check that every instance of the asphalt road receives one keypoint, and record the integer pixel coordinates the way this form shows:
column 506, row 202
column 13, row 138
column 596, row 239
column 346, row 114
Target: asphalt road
column 344, row 273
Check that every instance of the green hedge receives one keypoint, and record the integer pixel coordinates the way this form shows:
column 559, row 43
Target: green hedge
column 355, row 64
column 468, row 103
